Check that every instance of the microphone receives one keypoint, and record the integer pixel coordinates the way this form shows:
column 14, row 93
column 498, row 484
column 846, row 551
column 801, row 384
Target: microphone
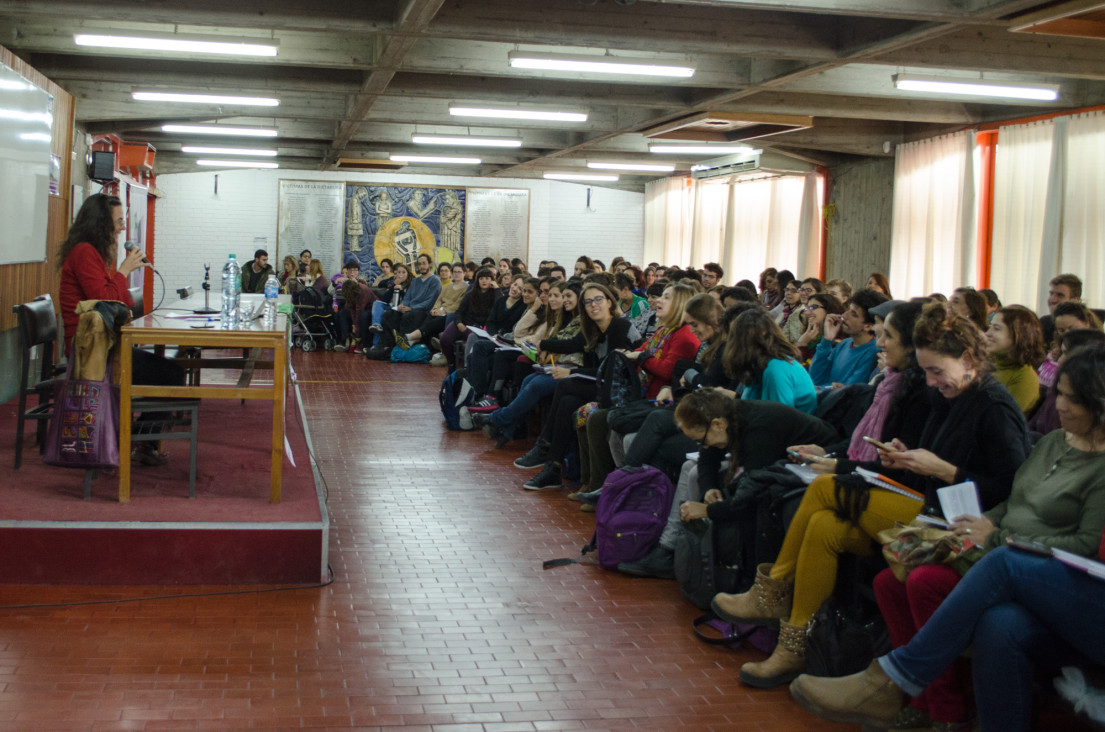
column 131, row 246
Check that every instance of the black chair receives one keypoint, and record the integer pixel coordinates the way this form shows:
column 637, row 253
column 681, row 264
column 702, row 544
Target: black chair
column 38, row 326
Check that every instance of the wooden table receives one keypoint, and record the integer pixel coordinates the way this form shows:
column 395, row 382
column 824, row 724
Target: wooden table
column 157, row 329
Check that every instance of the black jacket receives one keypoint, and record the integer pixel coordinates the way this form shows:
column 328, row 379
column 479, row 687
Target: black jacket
column 615, row 338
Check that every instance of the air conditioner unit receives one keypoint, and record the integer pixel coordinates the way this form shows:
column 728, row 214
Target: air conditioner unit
column 761, row 163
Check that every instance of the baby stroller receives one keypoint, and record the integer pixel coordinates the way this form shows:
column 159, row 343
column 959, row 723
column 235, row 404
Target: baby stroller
column 313, row 320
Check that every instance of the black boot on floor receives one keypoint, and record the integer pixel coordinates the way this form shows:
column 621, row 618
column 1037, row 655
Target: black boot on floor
column 535, row 458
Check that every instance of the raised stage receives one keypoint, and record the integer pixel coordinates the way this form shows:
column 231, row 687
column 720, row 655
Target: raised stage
column 230, row 533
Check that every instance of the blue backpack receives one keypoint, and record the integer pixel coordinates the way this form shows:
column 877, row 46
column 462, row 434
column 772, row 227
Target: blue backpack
column 455, row 397
column 417, row 353
column 631, row 514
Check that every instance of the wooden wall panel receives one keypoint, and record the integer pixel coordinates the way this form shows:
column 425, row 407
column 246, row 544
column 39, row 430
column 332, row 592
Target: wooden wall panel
column 859, row 227
column 22, row 282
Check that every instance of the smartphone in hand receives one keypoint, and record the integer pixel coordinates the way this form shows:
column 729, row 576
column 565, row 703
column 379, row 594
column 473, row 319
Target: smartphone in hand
column 804, row 459
column 879, row 445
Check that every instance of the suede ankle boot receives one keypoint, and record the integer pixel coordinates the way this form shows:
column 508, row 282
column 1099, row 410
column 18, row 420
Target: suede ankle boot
column 766, row 602
column 869, row 697
column 786, row 662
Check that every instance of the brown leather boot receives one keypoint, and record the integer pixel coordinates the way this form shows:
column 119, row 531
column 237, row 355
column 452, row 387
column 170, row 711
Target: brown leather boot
column 786, row 661
column 766, row 602
column 869, row 697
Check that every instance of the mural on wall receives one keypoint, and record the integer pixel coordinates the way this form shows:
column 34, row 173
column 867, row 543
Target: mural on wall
column 399, row 223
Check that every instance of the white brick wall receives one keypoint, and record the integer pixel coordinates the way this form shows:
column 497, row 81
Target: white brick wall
column 195, row 225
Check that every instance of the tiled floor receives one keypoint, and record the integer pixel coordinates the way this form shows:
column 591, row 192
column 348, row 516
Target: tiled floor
column 440, row 616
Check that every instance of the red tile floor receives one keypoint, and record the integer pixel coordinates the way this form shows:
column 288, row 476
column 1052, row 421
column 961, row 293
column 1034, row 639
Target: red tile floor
column 439, row 618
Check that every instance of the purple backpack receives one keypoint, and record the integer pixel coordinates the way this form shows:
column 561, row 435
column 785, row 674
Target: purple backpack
column 631, row 514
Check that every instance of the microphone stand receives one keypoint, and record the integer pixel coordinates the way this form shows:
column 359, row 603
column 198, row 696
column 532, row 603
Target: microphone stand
column 206, row 309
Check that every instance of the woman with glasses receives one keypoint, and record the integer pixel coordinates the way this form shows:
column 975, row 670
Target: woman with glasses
column 731, row 434
column 974, row 432
column 790, row 319
column 818, row 307
column 602, row 330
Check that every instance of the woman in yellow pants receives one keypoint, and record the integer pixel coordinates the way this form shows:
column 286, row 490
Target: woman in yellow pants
column 974, row 432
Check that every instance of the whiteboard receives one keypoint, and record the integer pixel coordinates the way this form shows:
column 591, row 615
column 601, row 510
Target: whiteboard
column 26, row 127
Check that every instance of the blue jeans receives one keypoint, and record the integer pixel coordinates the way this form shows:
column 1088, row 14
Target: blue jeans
column 1012, row 606
column 378, row 310
column 534, row 387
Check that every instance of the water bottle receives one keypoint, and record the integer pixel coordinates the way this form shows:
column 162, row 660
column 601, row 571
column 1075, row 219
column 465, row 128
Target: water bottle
column 272, row 289
column 232, row 293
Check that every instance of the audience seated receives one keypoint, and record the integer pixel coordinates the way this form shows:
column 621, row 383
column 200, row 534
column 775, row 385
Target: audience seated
column 408, row 315
column 1046, row 418
column 851, row 360
column 878, row 282
column 818, row 308
column 975, row 432
column 443, row 308
column 1062, row 288
column 474, row 309
column 769, row 367
column 840, row 289
column 969, row 303
column 290, row 268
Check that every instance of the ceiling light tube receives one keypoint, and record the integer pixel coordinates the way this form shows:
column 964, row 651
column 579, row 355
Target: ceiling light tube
column 205, row 99
column 581, row 177
column 178, row 45
column 527, row 114
column 639, row 167
column 594, row 64
column 220, row 130
column 702, row 149
column 465, row 141
column 195, row 150
column 434, row 159
column 237, row 163
column 977, row 87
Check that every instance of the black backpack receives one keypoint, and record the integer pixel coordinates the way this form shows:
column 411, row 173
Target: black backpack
column 617, row 382
column 701, row 572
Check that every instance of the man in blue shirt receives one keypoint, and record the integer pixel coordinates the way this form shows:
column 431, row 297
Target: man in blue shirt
column 420, row 298
column 853, row 359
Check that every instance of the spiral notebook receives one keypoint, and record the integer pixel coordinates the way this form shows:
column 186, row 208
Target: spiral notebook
column 881, row 481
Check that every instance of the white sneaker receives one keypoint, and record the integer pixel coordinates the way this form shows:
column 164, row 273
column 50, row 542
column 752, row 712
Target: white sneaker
column 438, row 359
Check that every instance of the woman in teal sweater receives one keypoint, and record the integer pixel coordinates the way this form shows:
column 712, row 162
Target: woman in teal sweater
column 761, row 357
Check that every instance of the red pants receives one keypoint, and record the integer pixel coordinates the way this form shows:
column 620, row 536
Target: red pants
column 906, row 606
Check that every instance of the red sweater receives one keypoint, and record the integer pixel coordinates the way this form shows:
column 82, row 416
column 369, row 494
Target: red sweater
column 84, row 276
column 682, row 344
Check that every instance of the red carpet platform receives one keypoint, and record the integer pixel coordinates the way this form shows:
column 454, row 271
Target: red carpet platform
column 230, row 533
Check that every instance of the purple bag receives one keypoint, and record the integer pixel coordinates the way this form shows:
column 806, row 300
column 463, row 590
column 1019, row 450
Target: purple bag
column 84, row 426
column 631, row 514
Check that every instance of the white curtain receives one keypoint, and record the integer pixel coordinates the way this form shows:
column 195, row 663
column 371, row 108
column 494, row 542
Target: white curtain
column 745, row 226
column 773, row 222
column 669, row 215
column 934, row 235
column 1025, row 215
column 1082, row 249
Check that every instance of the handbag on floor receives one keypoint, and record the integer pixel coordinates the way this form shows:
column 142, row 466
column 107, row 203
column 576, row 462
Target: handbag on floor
column 700, row 573
column 843, row 641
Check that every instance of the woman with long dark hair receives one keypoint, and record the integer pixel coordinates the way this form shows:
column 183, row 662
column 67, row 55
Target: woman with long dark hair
column 89, row 271
column 474, row 309
column 760, row 356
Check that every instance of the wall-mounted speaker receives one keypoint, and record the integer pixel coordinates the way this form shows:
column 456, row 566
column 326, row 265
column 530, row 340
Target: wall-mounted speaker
column 102, row 167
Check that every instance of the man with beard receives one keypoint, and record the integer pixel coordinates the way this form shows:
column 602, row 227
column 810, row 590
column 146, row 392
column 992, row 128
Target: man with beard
column 420, row 298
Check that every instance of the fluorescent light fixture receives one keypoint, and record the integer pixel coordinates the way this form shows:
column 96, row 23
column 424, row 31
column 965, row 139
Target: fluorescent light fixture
column 35, row 137
column 592, row 177
column 205, row 99
column 237, row 163
column 465, row 141
column 977, row 87
column 587, row 64
column 702, row 149
column 529, row 114
column 434, row 159
column 220, row 130
column 227, row 151
column 640, row 167
column 180, row 45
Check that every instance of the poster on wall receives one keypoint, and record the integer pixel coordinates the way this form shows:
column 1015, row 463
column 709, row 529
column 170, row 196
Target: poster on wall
column 401, row 222
column 309, row 216
column 498, row 224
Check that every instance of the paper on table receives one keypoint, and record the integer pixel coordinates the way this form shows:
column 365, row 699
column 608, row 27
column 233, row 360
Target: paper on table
column 480, row 332
column 960, row 499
